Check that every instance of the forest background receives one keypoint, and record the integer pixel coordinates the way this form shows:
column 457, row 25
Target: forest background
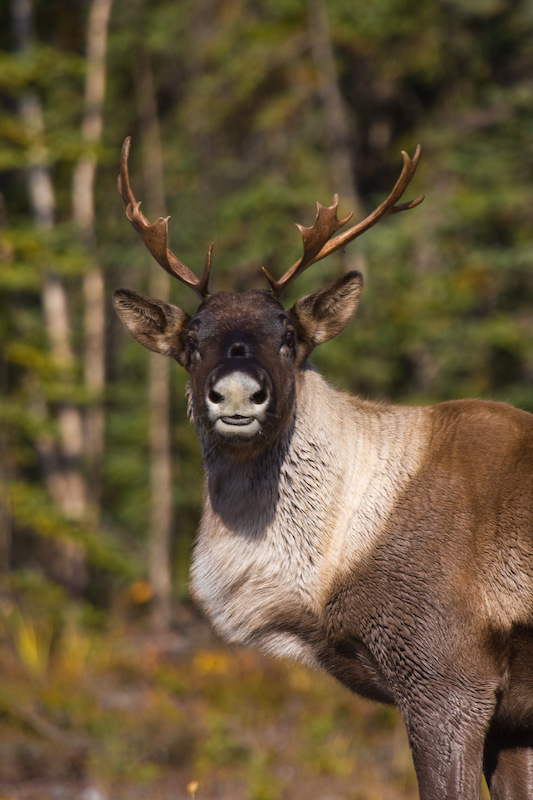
column 242, row 114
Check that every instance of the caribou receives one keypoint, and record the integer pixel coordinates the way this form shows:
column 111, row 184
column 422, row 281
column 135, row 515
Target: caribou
column 389, row 546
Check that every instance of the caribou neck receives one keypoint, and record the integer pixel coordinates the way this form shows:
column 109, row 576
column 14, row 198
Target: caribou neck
column 333, row 446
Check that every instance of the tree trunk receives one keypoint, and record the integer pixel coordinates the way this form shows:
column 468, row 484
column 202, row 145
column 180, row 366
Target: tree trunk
column 5, row 476
column 84, row 216
column 159, row 562
column 61, row 458
column 337, row 126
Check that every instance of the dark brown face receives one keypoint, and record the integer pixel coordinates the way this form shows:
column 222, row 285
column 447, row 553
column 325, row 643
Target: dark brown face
column 241, row 354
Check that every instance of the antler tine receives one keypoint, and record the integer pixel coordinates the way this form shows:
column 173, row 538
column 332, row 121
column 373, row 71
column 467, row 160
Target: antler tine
column 314, row 239
column 155, row 235
column 317, row 239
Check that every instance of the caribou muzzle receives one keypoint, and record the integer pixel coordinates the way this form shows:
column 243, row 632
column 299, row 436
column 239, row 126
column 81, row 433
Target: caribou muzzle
column 237, row 402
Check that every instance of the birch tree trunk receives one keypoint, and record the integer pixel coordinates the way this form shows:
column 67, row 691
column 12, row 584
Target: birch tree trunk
column 338, row 129
column 61, row 457
column 159, row 560
column 84, row 216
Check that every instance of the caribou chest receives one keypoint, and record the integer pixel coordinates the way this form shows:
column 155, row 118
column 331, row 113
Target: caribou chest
column 276, row 534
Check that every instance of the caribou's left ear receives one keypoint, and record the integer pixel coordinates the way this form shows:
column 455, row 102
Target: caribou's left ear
column 159, row 326
column 321, row 316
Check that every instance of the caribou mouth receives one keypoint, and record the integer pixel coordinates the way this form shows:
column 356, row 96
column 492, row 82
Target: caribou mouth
column 237, row 427
column 237, row 420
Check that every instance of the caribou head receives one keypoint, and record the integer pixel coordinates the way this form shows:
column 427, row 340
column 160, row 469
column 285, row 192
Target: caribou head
column 243, row 351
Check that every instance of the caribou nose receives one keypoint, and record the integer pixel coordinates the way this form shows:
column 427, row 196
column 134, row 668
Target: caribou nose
column 237, row 392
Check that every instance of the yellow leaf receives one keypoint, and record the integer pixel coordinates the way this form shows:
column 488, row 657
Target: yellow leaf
column 140, row 592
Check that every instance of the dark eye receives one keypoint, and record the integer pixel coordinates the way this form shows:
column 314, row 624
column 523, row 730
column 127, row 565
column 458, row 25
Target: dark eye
column 289, row 338
column 192, row 344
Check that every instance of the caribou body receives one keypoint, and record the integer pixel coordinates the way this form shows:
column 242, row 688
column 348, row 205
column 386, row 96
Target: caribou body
column 390, row 546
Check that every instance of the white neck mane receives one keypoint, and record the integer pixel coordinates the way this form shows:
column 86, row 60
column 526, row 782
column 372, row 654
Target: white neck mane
column 274, row 532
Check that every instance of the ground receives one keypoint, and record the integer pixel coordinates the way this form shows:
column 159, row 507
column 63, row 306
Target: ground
column 124, row 714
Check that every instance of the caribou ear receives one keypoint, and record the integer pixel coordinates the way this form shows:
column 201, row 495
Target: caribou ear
column 321, row 316
column 159, row 326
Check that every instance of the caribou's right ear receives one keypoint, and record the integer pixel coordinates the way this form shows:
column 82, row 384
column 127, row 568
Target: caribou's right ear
column 159, row 326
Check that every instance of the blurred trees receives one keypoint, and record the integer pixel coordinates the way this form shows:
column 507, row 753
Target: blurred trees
column 254, row 106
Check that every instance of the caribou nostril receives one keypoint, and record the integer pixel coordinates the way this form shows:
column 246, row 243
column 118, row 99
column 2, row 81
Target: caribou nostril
column 259, row 397
column 237, row 350
column 215, row 397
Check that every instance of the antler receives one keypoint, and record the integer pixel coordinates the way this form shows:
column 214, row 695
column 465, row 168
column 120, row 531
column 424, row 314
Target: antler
column 317, row 239
column 155, row 236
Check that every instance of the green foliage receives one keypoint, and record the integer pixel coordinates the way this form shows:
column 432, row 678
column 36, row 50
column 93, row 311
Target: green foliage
column 32, row 510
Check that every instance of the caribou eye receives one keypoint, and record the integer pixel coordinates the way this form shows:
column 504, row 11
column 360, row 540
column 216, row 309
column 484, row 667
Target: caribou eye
column 289, row 338
column 192, row 344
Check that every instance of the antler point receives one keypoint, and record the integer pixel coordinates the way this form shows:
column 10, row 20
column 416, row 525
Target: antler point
column 272, row 281
column 126, row 145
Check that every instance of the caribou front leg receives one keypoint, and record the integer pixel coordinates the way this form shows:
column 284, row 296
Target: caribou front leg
column 447, row 741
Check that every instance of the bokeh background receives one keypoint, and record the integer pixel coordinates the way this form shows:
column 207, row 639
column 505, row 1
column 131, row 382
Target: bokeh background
column 242, row 114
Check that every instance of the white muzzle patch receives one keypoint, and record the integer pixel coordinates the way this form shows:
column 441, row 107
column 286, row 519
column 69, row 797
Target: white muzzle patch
column 237, row 404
